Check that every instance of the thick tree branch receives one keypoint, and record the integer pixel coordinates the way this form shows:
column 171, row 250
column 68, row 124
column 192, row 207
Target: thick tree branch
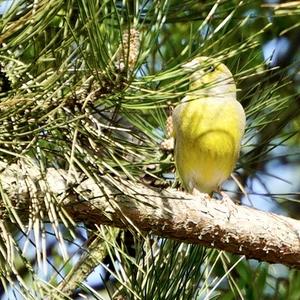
column 168, row 213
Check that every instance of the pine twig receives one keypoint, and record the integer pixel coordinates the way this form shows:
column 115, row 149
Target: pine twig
column 93, row 256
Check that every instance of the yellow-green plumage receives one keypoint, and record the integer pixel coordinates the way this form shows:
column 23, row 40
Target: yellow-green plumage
column 208, row 127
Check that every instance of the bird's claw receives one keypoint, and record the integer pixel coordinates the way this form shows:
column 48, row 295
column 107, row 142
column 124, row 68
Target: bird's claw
column 229, row 203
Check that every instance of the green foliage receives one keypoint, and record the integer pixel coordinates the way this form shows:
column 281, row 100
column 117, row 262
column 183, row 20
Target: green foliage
column 86, row 86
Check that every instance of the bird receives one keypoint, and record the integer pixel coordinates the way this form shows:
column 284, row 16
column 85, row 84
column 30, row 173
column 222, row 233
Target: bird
column 208, row 125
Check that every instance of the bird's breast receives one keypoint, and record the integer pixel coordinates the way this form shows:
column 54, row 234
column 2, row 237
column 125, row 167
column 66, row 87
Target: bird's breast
column 208, row 133
column 198, row 119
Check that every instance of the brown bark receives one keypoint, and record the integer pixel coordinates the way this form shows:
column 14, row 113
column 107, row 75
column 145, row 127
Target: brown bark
column 167, row 213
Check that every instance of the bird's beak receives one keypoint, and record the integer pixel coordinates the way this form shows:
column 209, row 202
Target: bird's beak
column 191, row 65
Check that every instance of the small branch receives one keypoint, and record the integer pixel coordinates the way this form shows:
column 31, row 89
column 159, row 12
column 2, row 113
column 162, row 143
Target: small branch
column 93, row 256
column 168, row 213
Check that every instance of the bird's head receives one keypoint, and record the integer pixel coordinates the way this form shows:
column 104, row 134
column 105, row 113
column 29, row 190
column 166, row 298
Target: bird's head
column 210, row 78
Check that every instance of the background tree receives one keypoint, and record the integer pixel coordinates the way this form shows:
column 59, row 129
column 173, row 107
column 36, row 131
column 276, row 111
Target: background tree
column 86, row 87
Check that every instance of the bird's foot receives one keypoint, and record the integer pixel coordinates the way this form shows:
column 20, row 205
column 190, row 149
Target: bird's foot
column 229, row 203
column 205, row 198
column 196, row 192
column 231, row 206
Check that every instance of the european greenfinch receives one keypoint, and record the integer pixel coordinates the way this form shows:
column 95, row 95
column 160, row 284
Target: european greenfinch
column 208, row 126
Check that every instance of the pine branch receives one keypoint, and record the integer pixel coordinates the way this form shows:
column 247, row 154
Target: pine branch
column 167, row 213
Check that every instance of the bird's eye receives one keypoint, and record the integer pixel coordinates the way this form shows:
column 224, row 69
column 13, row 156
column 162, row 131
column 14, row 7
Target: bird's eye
column 211, row 69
